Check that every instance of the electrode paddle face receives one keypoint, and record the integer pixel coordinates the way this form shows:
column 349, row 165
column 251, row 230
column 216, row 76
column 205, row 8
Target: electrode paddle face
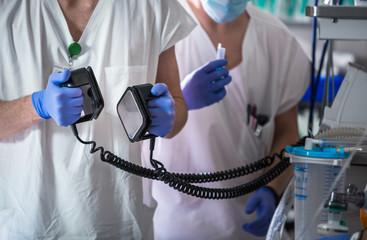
column 133, row 111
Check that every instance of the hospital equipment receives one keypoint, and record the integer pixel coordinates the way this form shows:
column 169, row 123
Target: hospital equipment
column 47, row 103
column 82, row 95
column 276, row 227
column 333, row 22
column 135, row 117
column 340, row 22
column 360, row 2
column 162, row 109
column 315, row 171
column 93, row 100
column 320, row 166
column 132, row 110
column 336, row 204
column 221, row 52
column 134, row 102
column 344, row 111
column 343, row 125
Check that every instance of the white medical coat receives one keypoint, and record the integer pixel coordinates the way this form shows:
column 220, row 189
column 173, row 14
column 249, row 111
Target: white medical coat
column 51, row 186
column 274, row 75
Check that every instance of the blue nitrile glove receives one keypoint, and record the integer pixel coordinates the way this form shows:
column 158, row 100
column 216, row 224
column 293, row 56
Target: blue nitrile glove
column 205, row 85
column 264, row 202
column 338, row 237
column 63, row 104
column 162, row 110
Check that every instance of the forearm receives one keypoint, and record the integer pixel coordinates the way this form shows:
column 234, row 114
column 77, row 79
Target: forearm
column 280, row 182
column 168, row 73
column 180, row 116
column 286, row 133
column 16, row 116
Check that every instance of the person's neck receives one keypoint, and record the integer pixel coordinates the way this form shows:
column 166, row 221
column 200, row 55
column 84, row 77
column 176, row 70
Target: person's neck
column 210, row 25
column 78, row 3
column 77, row 14
column 230, row 35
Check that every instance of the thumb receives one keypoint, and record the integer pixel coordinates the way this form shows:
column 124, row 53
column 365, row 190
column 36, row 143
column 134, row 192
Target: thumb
column 159, row 89
column 252, row 204
column 60, row 77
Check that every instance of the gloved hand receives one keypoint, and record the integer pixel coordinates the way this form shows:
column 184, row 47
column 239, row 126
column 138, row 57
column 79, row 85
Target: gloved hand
column 63, row 104
column 162, row 110
column 264, row 202
column 205, row 85
column 338, row 237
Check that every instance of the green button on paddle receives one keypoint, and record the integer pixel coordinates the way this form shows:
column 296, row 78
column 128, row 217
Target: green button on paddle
column 74, row 49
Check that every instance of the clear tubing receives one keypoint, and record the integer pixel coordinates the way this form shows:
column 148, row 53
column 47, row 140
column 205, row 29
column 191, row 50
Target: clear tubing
column 351, row 149
column 350, row 142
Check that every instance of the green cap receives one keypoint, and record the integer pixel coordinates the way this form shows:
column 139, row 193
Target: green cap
column 74, row 49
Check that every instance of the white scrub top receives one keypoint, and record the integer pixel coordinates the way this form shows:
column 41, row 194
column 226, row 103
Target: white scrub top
column 274, row 75
column 51, row 186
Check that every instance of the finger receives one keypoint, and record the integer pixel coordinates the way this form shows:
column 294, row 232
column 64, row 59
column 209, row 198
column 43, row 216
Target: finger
column 217, row 75
column 157, row 122
column 73, row 119
column 223, row 82
column 64, row 122
column 162, row 113
column 252, row 204
column 161, row 102
column 219, row 94
column 77, row 102
column 220, row 83
column 59, row 78
column 256, row 223
column 72, row 92
column 245, row 227
column 76, row 110
column 211, row 66
column 255, row 228
column 156, row 130
column 260, row 231
column 266, row 212
column 159, row 89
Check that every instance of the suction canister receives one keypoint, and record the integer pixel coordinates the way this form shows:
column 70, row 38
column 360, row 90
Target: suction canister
column 315, row 171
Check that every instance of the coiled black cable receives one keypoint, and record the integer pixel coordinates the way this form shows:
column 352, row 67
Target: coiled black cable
column 183, row 182
column 227, row 174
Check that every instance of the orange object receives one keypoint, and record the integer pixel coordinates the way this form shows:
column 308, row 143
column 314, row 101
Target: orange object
column 363, row 217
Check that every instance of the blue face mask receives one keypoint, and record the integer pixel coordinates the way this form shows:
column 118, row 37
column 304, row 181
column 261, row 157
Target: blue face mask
column 223, row 11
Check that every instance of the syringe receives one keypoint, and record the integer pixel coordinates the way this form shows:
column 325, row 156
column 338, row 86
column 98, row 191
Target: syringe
column 221, row 52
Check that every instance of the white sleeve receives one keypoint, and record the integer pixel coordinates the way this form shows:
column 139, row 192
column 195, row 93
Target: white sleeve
column 173, row 23
column 296, row 76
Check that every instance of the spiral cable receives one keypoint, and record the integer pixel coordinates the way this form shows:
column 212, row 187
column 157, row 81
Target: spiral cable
column 183, row 182
column 223, row 193
column 178, row 183
column 227, row 174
